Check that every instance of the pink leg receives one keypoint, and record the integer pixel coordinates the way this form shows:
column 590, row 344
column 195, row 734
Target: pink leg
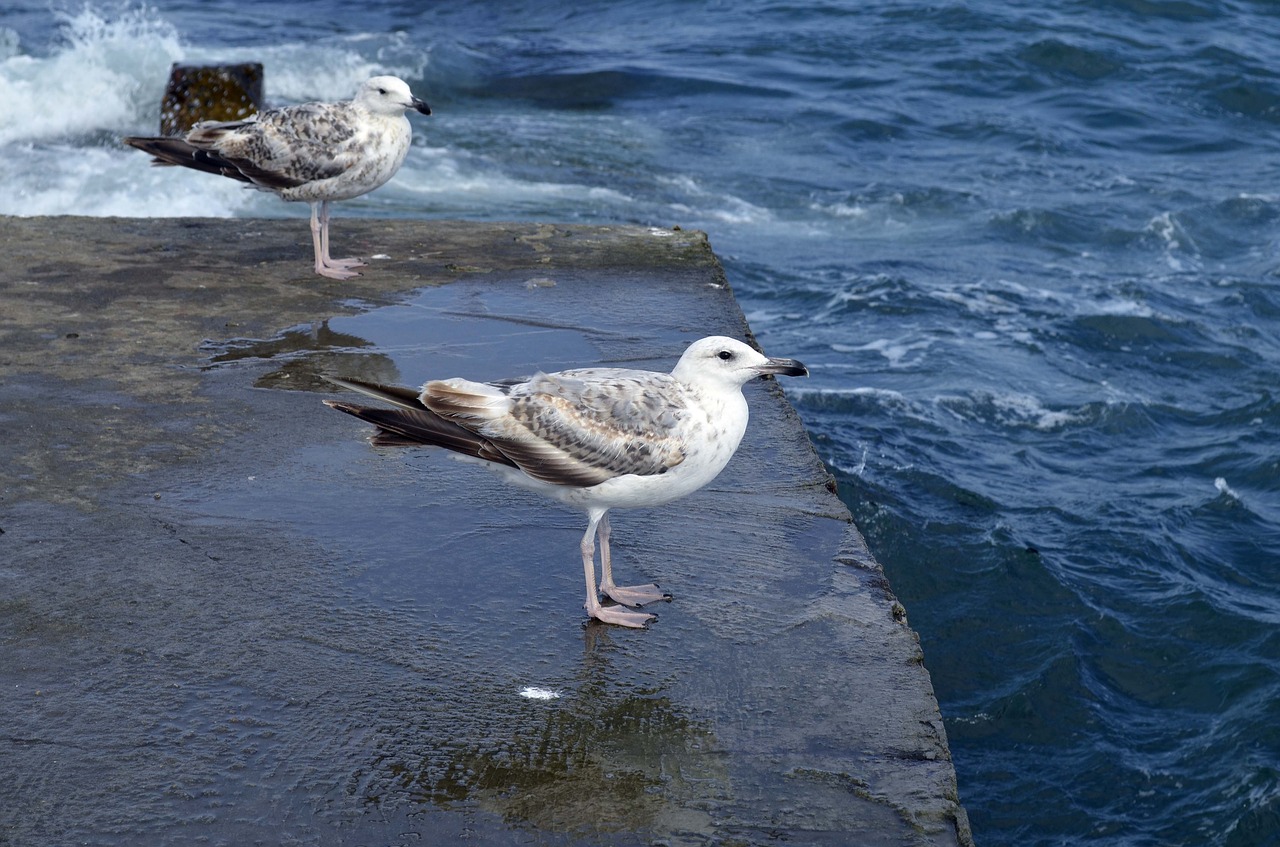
column 331, row 268
column 611, row 614
column 324, row 238
column 627, row 595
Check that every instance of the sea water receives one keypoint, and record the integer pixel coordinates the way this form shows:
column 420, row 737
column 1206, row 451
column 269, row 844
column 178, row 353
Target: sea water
column 1029, row 252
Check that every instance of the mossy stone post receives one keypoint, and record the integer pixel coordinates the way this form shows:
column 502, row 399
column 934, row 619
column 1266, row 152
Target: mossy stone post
column 209, row 93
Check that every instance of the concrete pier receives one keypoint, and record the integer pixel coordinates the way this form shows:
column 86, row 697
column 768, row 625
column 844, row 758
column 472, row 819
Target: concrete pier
column 225, row 618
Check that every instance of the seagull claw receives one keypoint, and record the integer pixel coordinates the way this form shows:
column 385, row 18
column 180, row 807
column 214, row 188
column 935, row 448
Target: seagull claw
column 336, row 273
column 622, row 617
column 635, row 595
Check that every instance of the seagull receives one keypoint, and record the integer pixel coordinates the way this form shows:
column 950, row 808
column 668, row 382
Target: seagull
column 591, row 438
column 317, row 152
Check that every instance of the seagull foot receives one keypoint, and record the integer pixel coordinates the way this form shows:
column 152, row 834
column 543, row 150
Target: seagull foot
column 338, row 268
column 622, row 617
column 635, row 595
column 336, row 273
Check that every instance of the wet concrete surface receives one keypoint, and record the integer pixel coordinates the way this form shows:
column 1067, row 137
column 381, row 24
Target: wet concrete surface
column 225, row 618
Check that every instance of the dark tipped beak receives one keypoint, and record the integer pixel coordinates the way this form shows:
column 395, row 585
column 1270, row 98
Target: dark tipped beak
column 421, row 106
column 783, row 367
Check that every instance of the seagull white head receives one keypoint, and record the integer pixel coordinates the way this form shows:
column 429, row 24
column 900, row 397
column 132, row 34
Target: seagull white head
column 389, row 95
column 730, row 363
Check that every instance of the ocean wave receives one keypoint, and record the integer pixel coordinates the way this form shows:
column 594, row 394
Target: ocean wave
column 107, row 68
column 102, row 182
column 898, row 352
column 601, row 87
column 469, row 182
column 106, row 71
column 1060, row 57
column 852, row 399
column 102, row 76
column 688, row 196
column 329, row 68
column 1017, row 410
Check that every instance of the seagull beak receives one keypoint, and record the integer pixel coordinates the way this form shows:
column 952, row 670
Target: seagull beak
column 419, row 105
column 785, row 367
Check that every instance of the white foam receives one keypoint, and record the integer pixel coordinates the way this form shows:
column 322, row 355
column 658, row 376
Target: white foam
column 99, row 80
column 840, row 210
column 884, row 394
column 698, row 202
column 97, row 181
column 1175, row 239
column 977, row 300
column 895, row 350
column 1016, row 409
column 464, row 183
column 1115, row 307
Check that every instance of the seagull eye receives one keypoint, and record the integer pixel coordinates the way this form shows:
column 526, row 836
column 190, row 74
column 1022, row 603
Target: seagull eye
column 725, row 355
column 382, row 91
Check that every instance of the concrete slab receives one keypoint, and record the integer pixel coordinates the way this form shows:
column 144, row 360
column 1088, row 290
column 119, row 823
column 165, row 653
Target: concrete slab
column 227, row 619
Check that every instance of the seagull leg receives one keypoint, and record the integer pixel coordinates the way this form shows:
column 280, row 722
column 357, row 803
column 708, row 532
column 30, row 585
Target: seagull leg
column 627, row 595
column 331, row 268
column 611, row 614
column 344, row 264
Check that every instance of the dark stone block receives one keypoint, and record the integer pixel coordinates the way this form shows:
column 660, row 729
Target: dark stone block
column 209, row 93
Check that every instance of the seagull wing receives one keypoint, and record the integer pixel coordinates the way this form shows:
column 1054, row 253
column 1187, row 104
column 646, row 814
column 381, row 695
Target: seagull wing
column 576, row 428
column 284, row 148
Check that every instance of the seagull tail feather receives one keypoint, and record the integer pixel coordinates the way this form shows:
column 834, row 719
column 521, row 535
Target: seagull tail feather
column 465, row 401
column 405, row 398
column 407, row 427
column 167, row 151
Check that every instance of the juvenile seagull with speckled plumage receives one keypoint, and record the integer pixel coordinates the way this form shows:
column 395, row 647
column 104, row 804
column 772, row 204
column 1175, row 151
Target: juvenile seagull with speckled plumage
column 592, row 438
column 315, row 152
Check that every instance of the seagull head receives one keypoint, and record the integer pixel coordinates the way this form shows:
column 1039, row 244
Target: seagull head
column 729, row 362
column 389, row 95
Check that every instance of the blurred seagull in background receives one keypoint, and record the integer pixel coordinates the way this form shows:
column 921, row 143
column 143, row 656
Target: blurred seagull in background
column 315, row 152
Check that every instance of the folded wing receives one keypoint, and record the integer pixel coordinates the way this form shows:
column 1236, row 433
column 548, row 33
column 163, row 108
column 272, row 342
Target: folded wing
column 578, row 428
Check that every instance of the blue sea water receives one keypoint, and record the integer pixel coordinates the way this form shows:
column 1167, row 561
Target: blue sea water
column 1030, row 252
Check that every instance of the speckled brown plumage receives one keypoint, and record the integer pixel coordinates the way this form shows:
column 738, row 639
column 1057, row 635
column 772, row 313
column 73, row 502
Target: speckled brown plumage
column 313, row 152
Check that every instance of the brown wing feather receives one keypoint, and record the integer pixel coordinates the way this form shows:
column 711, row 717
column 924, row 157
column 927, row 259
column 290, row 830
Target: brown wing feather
column 286, row 147
column 177, row 151
column 580, row 429
column 413, row 427
column 278, row 149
